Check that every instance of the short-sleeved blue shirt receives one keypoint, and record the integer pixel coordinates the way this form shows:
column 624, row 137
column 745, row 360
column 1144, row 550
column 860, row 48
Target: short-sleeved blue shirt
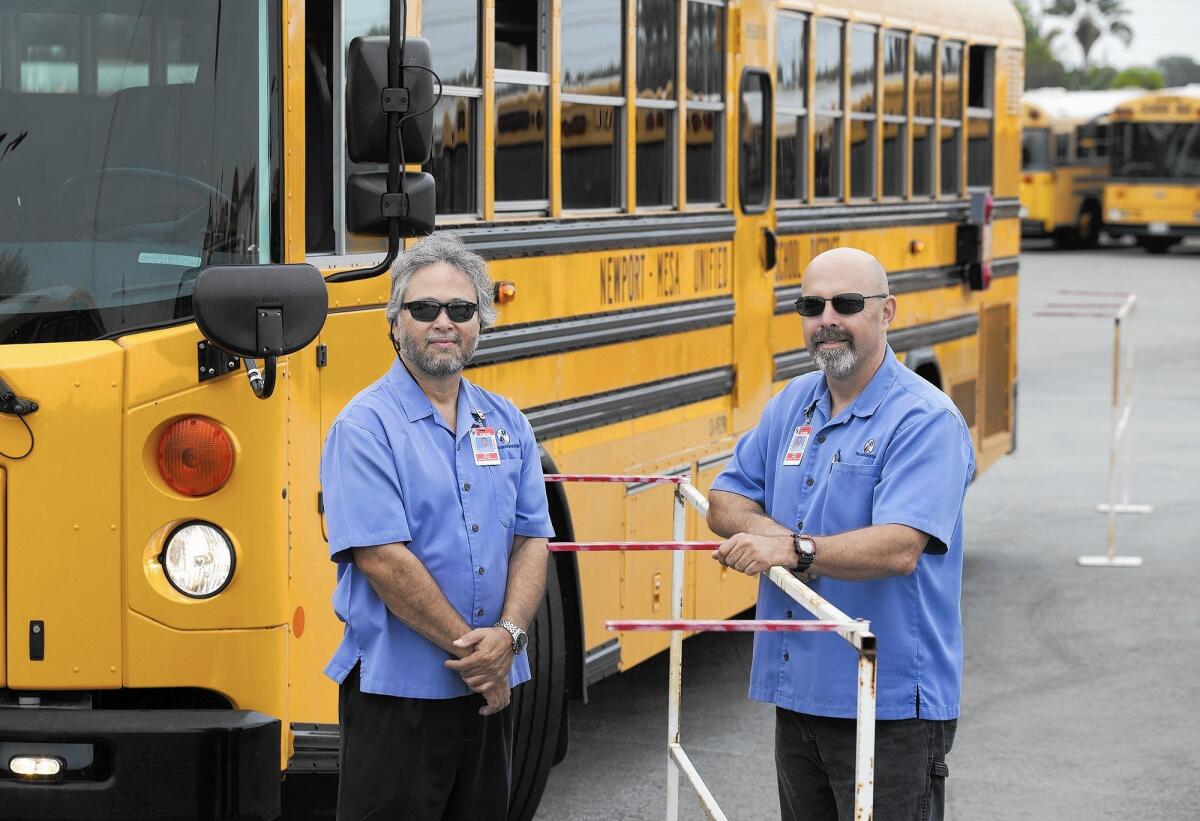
column 900, row 454
column 392, row 471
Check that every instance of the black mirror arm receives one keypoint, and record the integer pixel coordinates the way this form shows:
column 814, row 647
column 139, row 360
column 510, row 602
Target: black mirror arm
column 261, row 382
column 397, row 13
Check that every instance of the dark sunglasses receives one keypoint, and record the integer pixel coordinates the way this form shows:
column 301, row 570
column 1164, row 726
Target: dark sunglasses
column 427, row 310
column 844, row 304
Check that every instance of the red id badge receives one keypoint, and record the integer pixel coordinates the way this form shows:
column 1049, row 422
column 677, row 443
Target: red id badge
column 795, row 451
column 484, row 447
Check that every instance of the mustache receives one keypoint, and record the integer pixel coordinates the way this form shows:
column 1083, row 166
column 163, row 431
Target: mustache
column 830, row 335
column 429, row 340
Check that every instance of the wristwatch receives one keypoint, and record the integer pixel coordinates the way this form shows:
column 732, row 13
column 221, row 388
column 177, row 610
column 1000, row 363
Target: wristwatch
column 519, row 637
column 806, row 551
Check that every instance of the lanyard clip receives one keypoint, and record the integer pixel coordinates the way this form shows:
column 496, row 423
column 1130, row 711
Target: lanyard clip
column 480, row 418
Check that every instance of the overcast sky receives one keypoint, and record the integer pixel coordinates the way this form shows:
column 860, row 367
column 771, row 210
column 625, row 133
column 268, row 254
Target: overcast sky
column 1160, row 27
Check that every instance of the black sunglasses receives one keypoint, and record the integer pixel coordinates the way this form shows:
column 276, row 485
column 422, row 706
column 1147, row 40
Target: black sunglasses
column 427, row 310
column 844, row 304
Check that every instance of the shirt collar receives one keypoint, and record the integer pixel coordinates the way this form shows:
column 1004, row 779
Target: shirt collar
column 868, row 401
column 416, row 404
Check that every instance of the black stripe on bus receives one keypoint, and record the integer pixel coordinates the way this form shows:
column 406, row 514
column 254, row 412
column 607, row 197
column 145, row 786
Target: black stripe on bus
column 559, row 336
column 790, row 364
column 842, row 217
column 511, row 240
column 601, row 409
column 905, row 282
column 555, row 237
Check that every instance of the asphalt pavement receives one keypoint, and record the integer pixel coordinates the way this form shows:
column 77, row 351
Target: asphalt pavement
column 1080, row 685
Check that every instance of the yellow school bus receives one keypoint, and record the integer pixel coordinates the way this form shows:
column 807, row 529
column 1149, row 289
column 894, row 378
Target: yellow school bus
column 651, row 176
column 1064, row 162
column 1153, row 193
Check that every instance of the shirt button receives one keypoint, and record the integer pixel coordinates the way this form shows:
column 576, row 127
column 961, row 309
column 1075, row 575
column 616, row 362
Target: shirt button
column 789, row 614
column 474, row 528
column 466, row 485
column 821, row 439
column 786, row 656
column 479, row 612
column 481, row 571
column 809, row 481
column 800, row 525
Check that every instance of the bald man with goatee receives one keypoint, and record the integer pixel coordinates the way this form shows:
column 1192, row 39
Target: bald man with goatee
column 854, row 479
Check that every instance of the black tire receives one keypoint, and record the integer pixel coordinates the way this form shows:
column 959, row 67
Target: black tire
column 1088, row 225
column 1066, row 239
column 1158, row 245
column 539, row 704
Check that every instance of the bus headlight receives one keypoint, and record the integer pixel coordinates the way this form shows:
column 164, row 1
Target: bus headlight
column 1115, row 214
column 198, row 559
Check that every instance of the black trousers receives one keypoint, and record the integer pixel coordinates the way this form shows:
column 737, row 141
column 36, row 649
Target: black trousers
column 814, row 762
column 415, row 759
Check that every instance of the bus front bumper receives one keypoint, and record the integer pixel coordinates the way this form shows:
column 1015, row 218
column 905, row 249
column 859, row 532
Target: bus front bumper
column 1153, row 229
column 143, row 764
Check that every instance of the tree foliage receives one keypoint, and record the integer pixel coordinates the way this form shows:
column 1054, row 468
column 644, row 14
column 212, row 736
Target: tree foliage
column 1094, row 19
column 1178, row 69
column 1139, row 77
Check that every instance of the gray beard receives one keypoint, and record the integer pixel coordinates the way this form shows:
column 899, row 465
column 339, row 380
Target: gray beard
column 436, row 364
column 836, row 363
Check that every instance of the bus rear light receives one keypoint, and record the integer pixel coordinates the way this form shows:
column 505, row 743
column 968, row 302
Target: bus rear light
column 195, row 456
column 1027, row 179
column 36, row 767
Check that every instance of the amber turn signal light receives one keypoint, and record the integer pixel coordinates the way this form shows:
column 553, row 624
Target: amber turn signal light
column 195, row 456
column 506, row 292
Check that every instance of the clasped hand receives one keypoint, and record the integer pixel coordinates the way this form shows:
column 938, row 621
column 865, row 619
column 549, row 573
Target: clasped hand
column 752, row 554
column 485, row 669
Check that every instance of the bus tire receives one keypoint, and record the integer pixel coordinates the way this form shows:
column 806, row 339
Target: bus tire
column 539, row 703
column 1158, row 245
column 1088, row 225
column 1066, row 239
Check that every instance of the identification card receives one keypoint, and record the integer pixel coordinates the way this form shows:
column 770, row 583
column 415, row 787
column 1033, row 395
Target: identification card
column 484, row 446
column 795, row 451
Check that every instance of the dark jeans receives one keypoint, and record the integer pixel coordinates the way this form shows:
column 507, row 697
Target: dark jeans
column 421, row 759
column 814, row 762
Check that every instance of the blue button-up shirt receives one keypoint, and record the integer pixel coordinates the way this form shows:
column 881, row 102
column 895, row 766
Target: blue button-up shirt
column 392, row 471
column 900, row 454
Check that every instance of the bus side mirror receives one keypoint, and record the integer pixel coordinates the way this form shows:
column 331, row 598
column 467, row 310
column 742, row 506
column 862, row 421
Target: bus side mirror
column 370, row 104
column 260, row 311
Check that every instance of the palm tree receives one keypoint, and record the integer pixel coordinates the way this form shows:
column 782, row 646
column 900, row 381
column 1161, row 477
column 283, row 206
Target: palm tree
column 1096, row 18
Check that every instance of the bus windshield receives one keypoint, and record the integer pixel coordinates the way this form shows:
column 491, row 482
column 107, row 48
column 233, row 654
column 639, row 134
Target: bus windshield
column 1156, row 151
column 136, row 146
column 1035, row 149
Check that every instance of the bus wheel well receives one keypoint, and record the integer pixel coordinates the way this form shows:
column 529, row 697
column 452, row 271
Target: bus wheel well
column 931, row 373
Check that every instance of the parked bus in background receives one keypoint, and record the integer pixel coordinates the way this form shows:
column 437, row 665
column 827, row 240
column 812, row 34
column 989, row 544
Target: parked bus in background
column 649, row 177
column 1064, row 162
column 1153, row 192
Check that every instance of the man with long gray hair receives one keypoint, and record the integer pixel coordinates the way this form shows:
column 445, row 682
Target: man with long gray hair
column 855, row 474
column 437, row 519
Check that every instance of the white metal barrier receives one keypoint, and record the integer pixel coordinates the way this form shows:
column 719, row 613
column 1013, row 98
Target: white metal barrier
column 1123, row 315
column 828, row 619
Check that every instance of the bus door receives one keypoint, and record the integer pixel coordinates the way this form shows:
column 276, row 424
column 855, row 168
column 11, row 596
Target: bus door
column 754, row 237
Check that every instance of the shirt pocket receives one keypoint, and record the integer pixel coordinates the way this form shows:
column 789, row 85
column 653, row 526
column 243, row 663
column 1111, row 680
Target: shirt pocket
column 849, row 497
column 506, row 478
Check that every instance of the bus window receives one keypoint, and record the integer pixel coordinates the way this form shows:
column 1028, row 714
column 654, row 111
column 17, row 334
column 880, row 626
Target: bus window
column 593, row 100
column 922, row 161
column 827, row 138
column 791, row 122
column 1062, row 149
column 951, row 126
column 1035, row 149
column 454, row 163
column 656, row 49
column 979, row 116
column 522, row 179
column 895, row 112
column 863, row 102
column 1156, row 151
column 705, row 101
column 754, row 156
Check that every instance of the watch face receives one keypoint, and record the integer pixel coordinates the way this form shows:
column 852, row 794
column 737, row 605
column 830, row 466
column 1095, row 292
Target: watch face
column 520, row 640
column 807, row 547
